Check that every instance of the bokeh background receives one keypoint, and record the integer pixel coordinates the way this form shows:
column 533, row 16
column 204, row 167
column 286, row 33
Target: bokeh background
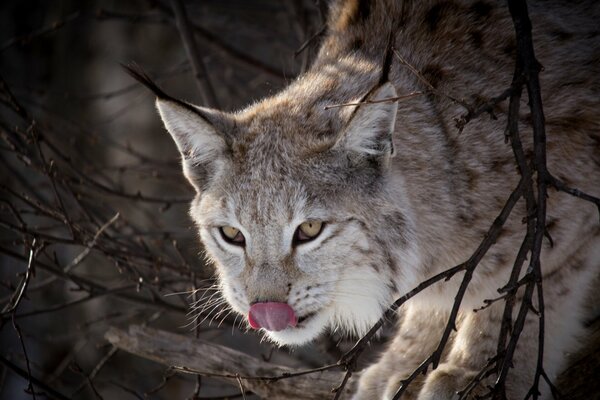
column 92, row 194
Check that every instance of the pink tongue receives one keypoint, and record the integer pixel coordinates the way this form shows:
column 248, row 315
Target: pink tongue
column 271, row 316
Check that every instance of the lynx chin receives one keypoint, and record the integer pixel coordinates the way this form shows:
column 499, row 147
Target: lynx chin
column 318, row 217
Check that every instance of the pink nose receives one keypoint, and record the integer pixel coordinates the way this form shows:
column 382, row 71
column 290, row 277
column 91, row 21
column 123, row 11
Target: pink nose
column 271, row 316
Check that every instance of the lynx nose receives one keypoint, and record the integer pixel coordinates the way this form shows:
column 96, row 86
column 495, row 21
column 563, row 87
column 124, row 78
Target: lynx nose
column 271, row 316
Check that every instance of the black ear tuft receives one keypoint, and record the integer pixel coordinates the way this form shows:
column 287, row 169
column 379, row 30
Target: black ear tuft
column 137, row 73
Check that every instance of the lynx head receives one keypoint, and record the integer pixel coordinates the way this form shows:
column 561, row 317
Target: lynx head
column 294, row 206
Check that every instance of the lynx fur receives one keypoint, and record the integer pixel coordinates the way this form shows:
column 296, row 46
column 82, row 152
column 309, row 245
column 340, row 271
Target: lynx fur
column 402, row 193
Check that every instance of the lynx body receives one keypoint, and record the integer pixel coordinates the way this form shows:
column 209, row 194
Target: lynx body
column 398, row 194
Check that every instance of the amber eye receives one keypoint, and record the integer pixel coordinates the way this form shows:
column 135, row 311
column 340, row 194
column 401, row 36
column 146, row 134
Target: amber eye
column 232, row 235
column 308, row 231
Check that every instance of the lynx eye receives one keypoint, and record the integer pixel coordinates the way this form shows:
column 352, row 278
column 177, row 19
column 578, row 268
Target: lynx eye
column 308, row 231
column 232, row 235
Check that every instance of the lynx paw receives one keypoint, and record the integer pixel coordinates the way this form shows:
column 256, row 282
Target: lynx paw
column 446, row 382
column 378, row 382
column 395, row 382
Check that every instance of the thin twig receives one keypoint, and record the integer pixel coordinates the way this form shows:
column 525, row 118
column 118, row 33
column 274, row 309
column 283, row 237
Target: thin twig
column 17, row 329
column 429, row 86
column 561, row 186
column 241, row 385
column 14, row 302
column 266, row 378
column 529, row 67
column 19, row 371
column 216, row 42
column 89, row 378
column 207, row 92
column 53, row 27
column 386, row 100
column 308, row 41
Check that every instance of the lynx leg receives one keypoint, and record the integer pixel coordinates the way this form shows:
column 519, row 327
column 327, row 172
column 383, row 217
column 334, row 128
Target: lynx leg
column 477, row 337
column 417, row 337
column 475, row 343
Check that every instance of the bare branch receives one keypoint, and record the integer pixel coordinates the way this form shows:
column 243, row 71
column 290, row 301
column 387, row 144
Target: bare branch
column 386, row 100
column 15, row 300
column 191, row 48
column 428, row 85
column 15, row 368
column 214, row 40
column 52, row 27
column 208, row 359
column 561, row 186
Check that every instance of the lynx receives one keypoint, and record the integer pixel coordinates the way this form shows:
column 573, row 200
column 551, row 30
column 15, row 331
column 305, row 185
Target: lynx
column 319, row 217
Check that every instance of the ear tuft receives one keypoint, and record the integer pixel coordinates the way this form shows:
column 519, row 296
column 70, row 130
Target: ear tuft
column 137, row 73
column 370, row 131
column 203, row 145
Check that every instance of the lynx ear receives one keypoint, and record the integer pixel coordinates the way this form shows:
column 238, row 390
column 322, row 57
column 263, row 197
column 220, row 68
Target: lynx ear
column 200, row 133
column 202, row 145
column 369, row 132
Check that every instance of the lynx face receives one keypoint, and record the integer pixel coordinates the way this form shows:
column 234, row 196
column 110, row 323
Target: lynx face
column 298, row 226
column 325, row 281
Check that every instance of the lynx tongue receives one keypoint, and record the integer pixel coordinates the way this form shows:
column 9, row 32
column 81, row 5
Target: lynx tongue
column 271, row 316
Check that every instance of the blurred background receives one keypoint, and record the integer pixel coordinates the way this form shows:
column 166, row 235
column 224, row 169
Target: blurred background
column 94, row 230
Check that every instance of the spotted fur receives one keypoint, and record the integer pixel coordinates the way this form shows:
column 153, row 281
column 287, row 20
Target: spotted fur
column 403, row 193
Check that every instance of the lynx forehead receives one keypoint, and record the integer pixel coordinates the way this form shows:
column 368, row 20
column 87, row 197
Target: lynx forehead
column 317, row 217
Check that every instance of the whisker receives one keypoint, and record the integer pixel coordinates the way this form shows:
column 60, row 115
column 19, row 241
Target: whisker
column 191, row 291
column 223, row 319
column 211, row 306
column 208, row 300
column 367, row 295
column 206, row 303
column 243, row 328
column 218, row 314
column 216, row 289
column 234, row 322
column 207, row 315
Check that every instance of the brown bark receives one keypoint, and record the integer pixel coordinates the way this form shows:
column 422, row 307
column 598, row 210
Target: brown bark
column 576, row 383
column 267, row 380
